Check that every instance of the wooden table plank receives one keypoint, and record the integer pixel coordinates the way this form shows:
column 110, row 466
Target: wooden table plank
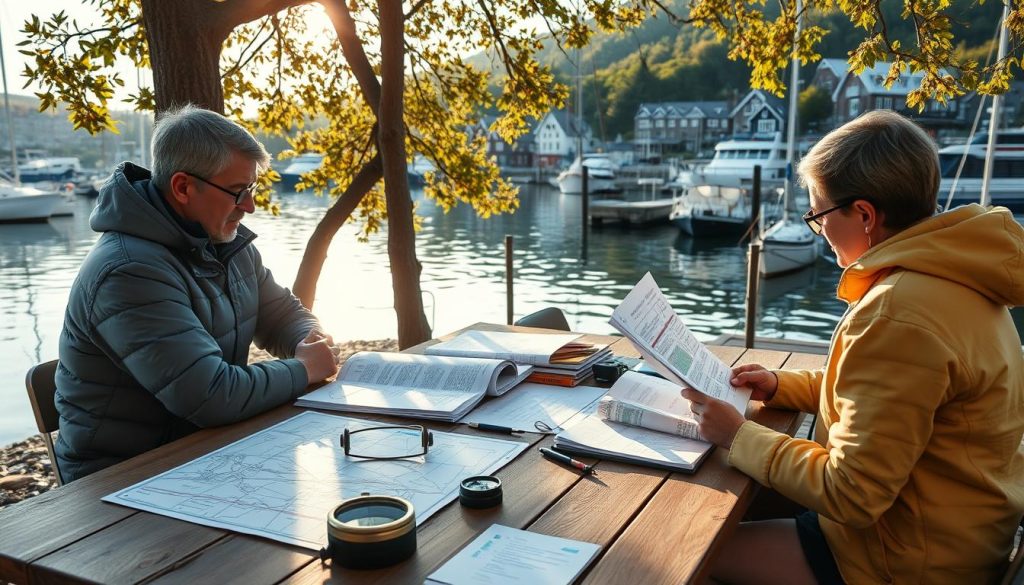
column 142, row 545
column 238, row 558
column 527, row 491
column 44, row 524
column 674, row 537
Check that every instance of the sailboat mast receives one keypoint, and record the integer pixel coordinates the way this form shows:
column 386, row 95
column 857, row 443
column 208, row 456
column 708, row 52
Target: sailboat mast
column 579, row 106
column 7, row 111
column 993, row 124
column 794, row 91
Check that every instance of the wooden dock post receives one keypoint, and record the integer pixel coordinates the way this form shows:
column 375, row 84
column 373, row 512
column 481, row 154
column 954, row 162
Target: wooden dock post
column 585, row 198
column 508, row 280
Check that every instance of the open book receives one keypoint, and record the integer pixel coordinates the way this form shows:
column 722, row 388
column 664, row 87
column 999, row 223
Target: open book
column 649, row 402
column 642, row 420
column 554, row 352
column 666, row 344
column 415, row 386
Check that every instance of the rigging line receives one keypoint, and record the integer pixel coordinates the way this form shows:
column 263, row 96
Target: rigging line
column 974, row 126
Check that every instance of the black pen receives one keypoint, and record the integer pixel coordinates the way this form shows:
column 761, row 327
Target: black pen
column 563, row 458
column 494, row 428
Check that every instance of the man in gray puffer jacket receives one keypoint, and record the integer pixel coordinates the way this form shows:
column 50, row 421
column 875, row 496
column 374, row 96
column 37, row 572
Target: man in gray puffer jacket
column 156, row 336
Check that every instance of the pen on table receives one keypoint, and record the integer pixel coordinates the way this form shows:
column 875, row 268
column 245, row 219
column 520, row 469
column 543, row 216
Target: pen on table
column 563, row 458
column 494, row 428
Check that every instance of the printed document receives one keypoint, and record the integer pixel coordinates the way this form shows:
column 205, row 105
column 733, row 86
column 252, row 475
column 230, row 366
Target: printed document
column 530, row 403
column 507, row 556
column 667, row 344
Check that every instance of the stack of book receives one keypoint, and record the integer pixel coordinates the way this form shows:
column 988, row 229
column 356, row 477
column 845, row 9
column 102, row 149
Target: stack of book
column 557, row 359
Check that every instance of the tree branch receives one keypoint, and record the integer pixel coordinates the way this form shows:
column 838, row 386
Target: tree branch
column 352, row 48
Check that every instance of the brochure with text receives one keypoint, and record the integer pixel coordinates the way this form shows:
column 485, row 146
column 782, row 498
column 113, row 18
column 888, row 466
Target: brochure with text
column 646, row 317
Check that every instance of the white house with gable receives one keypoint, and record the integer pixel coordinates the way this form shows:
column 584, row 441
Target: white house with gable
column 555, row 139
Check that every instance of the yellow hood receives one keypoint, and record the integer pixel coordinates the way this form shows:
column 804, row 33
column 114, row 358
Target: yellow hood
column 978, row 248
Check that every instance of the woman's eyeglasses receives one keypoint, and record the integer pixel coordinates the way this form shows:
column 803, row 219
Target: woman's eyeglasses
column 813, row 220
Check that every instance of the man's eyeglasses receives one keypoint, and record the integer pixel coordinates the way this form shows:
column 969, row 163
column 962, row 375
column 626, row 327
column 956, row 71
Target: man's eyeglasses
column 813, row 220
column 240, row 196
column 388, row 442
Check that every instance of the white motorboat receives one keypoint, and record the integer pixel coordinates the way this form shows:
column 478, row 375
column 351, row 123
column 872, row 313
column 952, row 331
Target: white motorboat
column 734, row 161
column 600, row 175
column 24, row 204
column 1007, row 185
column 59, row 169
column 716, row 211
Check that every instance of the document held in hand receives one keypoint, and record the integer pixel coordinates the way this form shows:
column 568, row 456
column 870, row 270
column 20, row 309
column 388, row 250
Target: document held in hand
column 667, row 344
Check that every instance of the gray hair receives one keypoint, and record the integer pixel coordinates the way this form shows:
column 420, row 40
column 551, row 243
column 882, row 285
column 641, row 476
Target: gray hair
column 199, row 141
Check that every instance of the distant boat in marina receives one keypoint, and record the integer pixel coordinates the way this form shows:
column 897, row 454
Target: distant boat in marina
column 734, row 161
column 58, row 169
column 310, row 161
column 26, row 204
column 715, row 211
column 1007, row 185
column 652, row 207
column 600, row 175
column 301, row 164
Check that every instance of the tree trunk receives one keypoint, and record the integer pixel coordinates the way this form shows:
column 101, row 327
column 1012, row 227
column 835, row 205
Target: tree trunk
column 316, row 249
column 186, row 65
column 405, row 268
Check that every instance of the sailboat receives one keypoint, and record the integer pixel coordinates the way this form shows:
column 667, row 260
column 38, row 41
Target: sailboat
column 789, row 245
column 18, row 203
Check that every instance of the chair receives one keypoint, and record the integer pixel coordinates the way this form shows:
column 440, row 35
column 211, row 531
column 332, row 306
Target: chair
column 547, row 318
column 41, row 390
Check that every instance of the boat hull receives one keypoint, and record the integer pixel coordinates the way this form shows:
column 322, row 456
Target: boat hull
column 27, row 207
column 631, row 212
column 572, row 184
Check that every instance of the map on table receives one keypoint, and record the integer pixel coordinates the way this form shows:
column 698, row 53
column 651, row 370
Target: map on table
column 281, row 482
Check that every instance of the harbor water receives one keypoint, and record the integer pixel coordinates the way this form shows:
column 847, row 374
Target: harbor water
column 463, row 278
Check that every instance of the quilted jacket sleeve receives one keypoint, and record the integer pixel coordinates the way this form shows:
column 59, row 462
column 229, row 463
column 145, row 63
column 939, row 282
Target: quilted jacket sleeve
column 888, row 384
column 143, row 315
column 283, row 322
column 798, row 390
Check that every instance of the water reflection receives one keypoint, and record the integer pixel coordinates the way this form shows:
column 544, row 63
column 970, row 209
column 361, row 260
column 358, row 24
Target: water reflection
column 463, row 278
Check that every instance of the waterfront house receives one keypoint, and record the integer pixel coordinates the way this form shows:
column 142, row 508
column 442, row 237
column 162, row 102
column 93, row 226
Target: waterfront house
column 759, row 112
column 554, row 138
column 661, row 127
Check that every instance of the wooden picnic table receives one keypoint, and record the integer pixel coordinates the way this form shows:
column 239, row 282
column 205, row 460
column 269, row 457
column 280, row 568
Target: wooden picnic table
column 654, row 526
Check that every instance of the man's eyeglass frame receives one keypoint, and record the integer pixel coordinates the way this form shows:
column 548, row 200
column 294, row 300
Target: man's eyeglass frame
column 240, row 196
column 813, row 220
column 426, row 441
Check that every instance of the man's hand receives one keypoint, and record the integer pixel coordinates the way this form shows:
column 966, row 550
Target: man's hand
column 717, row 420
column 762, row 383
column 317, row 355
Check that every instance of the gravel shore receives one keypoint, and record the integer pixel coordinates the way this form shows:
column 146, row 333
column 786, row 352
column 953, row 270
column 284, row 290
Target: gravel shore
column 25, row 468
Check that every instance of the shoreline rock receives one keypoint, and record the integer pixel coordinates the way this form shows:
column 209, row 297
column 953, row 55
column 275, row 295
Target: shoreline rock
column 25, row 467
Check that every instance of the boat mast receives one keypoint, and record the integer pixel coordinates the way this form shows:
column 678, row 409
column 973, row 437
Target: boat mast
column 7, row 112
column 993, row 124
column 794, row 91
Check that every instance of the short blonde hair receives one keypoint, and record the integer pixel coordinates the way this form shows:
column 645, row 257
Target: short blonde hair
column 881, row 157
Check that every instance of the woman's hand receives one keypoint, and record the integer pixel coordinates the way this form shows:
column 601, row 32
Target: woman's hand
column 762, row 383
column 717, row 420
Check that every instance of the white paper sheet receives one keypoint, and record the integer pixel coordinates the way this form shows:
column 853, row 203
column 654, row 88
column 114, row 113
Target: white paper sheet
column 530, row 402
column 507, row 556
column 522, row 348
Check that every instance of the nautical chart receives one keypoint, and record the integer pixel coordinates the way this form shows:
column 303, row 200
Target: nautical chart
column 280, row 483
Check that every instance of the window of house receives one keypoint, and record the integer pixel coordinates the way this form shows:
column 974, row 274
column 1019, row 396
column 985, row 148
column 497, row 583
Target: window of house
column 885, row 103
column 766, row 125
column 671, row 123
column 713, row 123
column 659, row 123
column 854, row 106
column 694, row 123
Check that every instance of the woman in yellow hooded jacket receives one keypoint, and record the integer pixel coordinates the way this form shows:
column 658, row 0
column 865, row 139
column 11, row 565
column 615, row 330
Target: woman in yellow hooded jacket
column 915, row 473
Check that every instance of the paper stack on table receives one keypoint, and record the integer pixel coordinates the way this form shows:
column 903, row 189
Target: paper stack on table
column 507, row 556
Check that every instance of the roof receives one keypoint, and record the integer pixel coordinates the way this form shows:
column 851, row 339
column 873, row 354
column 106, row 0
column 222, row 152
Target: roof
column 772, row 102
column 873, row 79
column 707, row 109
column 567, row 122
column 838, row 66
